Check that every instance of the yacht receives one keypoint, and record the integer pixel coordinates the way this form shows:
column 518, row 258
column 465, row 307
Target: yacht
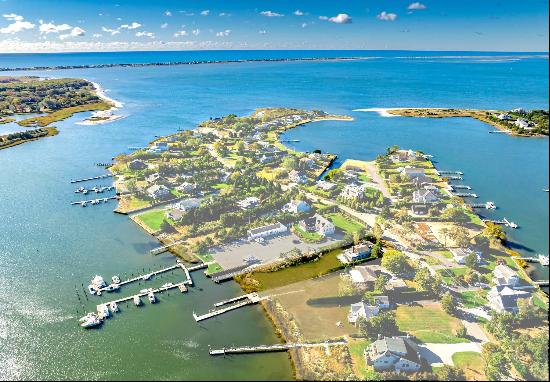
column 98, row 282
column 91, row 321
column 115, row 279
column 167, row 285
column 151, row 297
column 92, row 289
column 137, row 300
column 114, row 307
column 543, row 259
column 103, row 311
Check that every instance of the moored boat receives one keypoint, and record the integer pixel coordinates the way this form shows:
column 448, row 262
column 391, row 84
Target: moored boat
column 137, row 300
column 114, row 307
column 151, row 297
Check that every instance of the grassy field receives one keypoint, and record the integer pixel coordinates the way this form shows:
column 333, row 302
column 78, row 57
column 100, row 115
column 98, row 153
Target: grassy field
column 449, row 274
column 309, row 237
column 213, row 268
column 153, row 219
column 471, row 363
column 356, row 350
column 430, row 324
column 472, row 299
column 65, row 113
column 205, row 257
column 344, row 223
column 324, row 265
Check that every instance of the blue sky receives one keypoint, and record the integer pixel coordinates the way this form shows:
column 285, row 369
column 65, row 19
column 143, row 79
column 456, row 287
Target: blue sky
column 110, row 25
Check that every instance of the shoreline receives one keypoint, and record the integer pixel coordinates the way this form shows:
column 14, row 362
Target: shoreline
column 101, row 117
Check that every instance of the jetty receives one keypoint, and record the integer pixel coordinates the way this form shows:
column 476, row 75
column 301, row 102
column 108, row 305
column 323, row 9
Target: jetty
column 444, row 172
column 504, row 221
column 92, row 178
column 229, row 305
column 541, row 282
column 84, row 203
column 453, row 177
column 466, row 194
column 487, row 206
column 275, row 348
column 228, row 274
column 460, row 187
column 164, row 248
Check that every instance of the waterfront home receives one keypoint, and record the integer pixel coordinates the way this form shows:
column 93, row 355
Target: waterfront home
column 421, row 181
column 186, row 187
column 187, row 204
column 362, row 310
column 249, row 202
column 411, row 172
column 505, row 299
column 504, row 117
column 365, row 274
column 153, row 178
column 424, row 196
column 325, row 186
column 398, row 354
column 306, row 163
column 137, row 164
column 460, row 254
column 176, row 215
column 519, row 110
column 266, row 231
column 503, row 275
column 296, row 206
column 401, row 156
column 318, row 224
column 352, row 191
column 158, row 191
column 522, row 123
column 358, row 252
column 297, row 177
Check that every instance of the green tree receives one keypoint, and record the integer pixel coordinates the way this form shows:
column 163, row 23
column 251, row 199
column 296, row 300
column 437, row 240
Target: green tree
column 471, row 260
column 494, row 232
column 450, row 373
column 383, row 324
column 396, row 262
column 448, row 303
column 427, row 283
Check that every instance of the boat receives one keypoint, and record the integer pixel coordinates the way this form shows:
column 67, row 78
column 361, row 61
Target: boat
column 114, row 307
column 147, row 276
column 115, row 279
column 98, row 282
column 91, row 321
column 151, row 297
column 103, row 311
column 137, row 300
column 92, row 289
column 167, row 285
column 80, row 189
column 87, row 317
column 490, row 206
column 83, row 204
column 112, row 287
column 182, row 288
column 543, row 259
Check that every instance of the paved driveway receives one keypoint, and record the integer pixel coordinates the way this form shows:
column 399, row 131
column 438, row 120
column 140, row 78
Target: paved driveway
column 438, row 354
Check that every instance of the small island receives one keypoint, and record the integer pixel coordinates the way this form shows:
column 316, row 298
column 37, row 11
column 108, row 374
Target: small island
column 48, row 101
column 518, row 122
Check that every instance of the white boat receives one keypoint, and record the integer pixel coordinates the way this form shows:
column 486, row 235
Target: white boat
column 98, row 282
column 112, row 287
column 167, row 285
column 87, row 317
column 147, row 276
column 80, row 189
column 151, row 297
column 543, row 259
column 91, row 321
column 103, row 311
column 114, row 307
column 92, row 289
column 83, row 204
column 84, row 191
column 137, row 300
column 115, row 279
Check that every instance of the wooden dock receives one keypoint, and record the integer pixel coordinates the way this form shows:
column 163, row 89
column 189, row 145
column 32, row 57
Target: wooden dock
column 164, row 248
column 94, row 201
column 504, row 221
column 445, row 172
column 93, row 178
column 234, row 303
column 274, row 348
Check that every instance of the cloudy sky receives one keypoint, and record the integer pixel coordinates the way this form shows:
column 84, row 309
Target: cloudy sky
column 110, row 25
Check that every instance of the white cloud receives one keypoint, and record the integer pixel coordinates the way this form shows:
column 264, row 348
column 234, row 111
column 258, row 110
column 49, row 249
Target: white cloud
column 341, row 18
column 75, row 32
column 224, row 33
column 263, row 31
column 111, row 31
column 298, row 12
column 222, row 14
column 180, row 33
column 304, row 25
column 196, row 32
column 385, row 16
column 97, row 35
column 16, row 27
column 271, row 14
column 163, row 25
column 416, row 6
column 323, row 18
column 206, row 12
column 145, row 34
column 12, row 17
column 168, row 13
column 134, row 25
column 46, row 28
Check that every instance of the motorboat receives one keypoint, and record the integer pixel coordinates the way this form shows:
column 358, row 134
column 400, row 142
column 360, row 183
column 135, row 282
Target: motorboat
column 137, row 300
column 114, row 307
column 151, row 297
column 112, row 287
column 167, row 285
column 87, row 317
column 103, row 311
column 182, row 288
column 80, row 189
column 543, row 259
column 83, row 204
column 92, row 289
column 115, row 279
column 147, row 276
column 91, row 321
column 98, row 282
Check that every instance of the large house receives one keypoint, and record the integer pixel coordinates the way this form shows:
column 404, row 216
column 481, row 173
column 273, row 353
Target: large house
column 394, row 353
column 503, row 275
column 365, row 274
column 425, row 196
column 412, row 172
column 324, row 185
column 505, row 299
column 158, row 191
column 523, row 123
column 357, row 252
column 266, row 231
column 153, row 178
column 460, row 254
column 296, row 206
column 187, row 204
column 421, row 181
column 297, row 177
column 186, row 187
column 249, row 202
column 318, row 224
column 137, row 164
column 353, row 191
column 362, row 310
column 404, row 156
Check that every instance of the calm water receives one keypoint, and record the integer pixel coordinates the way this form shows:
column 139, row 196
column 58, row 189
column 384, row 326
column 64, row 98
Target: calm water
column 49, row 248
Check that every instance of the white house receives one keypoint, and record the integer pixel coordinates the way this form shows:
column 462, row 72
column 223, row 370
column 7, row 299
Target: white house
column 324, row 185
column 363, row 310
column 297, row 177
column 504, row 117
column 460, row 254
column 505, row 299
column 187, row 204
column 296, row 206
column 411, row 172
column 357, row 252
column 249, row 202
column 266, row 231
column 365, row 274
column 186, row 187
column 404, row 156
column 317, row 223
column 158, row 191
column 306, row 163
column 153, row 178
column 425, row 196
column 523, row 123
column 503, row 275
column 352, row 191
column 395, row 354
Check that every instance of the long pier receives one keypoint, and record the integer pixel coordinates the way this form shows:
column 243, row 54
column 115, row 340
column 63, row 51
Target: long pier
column 504, row 221
column 460, row 187
column 444, row 172
column 541, row 282
column 273, row 348
column 454, row 177
column 94, row 201
column 487, row 206
column 164, row 248
column 465, row 194
column 234, row 303
column 93, row 178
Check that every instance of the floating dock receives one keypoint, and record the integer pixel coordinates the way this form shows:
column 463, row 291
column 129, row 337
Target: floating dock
column 93, row 178
column 444, row 172
column 273, row 348
column 504, row 221
column 465, row 194
column 94, row 201
column 232, row 304
column 461, row 187
column 487, row 206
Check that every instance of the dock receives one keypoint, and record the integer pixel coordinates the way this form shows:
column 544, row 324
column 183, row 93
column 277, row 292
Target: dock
column 93, row 178
column 504, row 221
column 164, row 248
column 274, row 348
column 541, row 282
column 453, row 177
column 444, row 172
column 465, row 194
column 487, row 206
column 234, row 303
column 228, row 274
column 460, row 187
column 94, row 201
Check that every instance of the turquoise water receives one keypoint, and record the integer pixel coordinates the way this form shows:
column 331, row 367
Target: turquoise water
column 48, row 248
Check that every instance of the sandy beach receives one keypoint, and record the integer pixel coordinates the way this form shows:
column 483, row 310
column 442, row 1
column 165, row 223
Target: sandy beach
column 103, row 116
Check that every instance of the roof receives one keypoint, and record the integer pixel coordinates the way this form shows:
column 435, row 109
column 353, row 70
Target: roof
column 266, row 228
column 363, row 274
column 403, row 347
column 507, row 296
column 504, row 271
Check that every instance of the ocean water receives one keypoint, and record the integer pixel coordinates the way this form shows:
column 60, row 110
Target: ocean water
column 49, row 248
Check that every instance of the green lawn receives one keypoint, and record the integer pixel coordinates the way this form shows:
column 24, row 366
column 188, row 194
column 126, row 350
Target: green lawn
column 205, row 257
column 344, row 223
column 153, row 219
column 472, row 363
column 430, row 324
column 356, row 350
column 472, row 299
column 445, row 254
column 310, row 237
column 213, row 268
column 220, row 186
column 448, row 274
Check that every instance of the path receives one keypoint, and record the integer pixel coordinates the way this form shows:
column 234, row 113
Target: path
column 373, row 172
column 437, row 354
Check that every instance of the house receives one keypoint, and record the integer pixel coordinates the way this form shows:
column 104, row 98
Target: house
column 366, row 274
column 266, row 231
column 175, row 215
column 297, row 177
column 325, row 186
column 401, row 156
column 505, row 299
column 421, row 181
column 425, row 196
column 318, row 224
column 153, row 178
column 522, row 123
column 357, row 252
column 504, row 117
column 306, row 163
column 503, row 275
column 296, row 206
column 519, row 110
column 352, row 191
column 159, row 147
column 186, row 187
column 362, row 310
column 420, row 209
column 396, row 284
column 158, row 191
column 187, row 204
column 460, row 254
column 249, row 202
column 398, row 354
column 137, row 164
column 411, row 172
column 383, row 302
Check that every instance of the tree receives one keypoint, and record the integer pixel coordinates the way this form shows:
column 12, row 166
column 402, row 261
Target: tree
column 471, row 260
column 380, row 283
column 501, row 324
column 426, row 282
column 290, row 162
column 448, row 303
column 377, row 249
column 396, row 262
column 461, row 236
column 450, row 373
column 461, row 331
column 494, row 232
column 345, row 286
column 455, row 215
column 383, row 324
column 445, row 232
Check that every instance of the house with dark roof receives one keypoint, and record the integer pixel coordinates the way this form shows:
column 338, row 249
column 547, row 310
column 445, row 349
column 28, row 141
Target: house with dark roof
column 398, row 354
column 362, row 310
column 505, row 299
column 424, row 196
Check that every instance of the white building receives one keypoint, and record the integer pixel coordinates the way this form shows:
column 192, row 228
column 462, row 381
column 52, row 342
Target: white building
column 187, row 204
column 412, row 172
column 249, row 202
column 186, row 187
column 296, row 206
column 153, row 178
column 324, row 185
column 352, row 191
column 503, row 275
column 297, row 177
column 319, row 224
column 505, row 299
column 267, row 231
column 158, row 191
column 460, row 254
column 362, row 310
column 394, row 353
column 425, row 196
column 504, row 117
column 523, row 123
